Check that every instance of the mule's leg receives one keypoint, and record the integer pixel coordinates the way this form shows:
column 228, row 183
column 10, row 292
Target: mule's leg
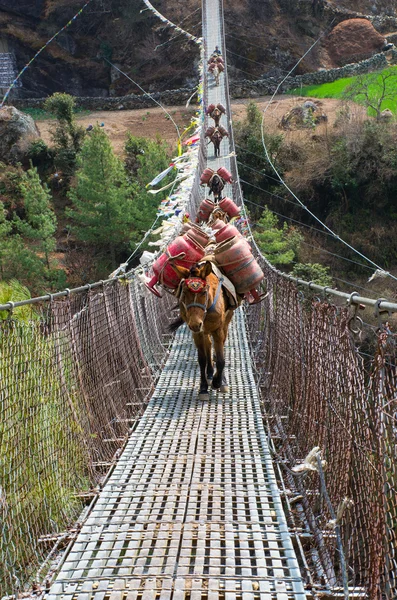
column 202, row 342
column 221, row 383
column 219, row 343
column 228, row 317
column 210, row 365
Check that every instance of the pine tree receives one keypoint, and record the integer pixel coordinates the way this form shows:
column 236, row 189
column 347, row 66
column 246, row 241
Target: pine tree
column 68, row 136
column 104, row 213
column 278, row 245
column 40, row 221
column 145, row 159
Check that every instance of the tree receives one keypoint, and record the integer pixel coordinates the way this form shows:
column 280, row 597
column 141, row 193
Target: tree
column 67, row 135
column 278, row 245
column 14, row 291
column 145, row 159
column 40, row 222
column 104, row 212
column 253, row 164
column 313, row 272
column 373, row 90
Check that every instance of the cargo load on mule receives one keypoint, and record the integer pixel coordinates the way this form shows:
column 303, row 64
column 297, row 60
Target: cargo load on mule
column 215, row 112
column 216, row 181
column 216, row 135
column 223, row 244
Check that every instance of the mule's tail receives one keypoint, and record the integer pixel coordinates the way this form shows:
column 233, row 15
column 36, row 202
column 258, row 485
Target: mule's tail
column 176, row 324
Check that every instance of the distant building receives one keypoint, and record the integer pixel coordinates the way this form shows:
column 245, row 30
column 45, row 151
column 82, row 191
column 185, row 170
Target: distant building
column 8, row 67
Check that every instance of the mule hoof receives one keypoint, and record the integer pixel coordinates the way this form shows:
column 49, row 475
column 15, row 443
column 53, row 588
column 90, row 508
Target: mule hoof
column 224, row 389
column 203, row 396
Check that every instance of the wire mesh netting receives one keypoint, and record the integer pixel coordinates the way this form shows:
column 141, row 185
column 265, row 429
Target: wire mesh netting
column 329, row 384
column 73, row 381
column 320, row 391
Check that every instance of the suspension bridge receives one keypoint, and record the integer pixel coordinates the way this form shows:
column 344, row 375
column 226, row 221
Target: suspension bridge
column 283, row 488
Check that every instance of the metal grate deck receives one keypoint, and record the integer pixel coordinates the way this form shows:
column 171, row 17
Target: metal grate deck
column 192, row 509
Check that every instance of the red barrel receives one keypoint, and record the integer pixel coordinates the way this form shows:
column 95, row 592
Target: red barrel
column 210, row 108
column 209, row 131
column 183, row 251
column 225, row 232
column 237, row 262
column 225, row 174
column 218, row 224
column 198, row 235
column 206, row 175
column 221, row 108
column 205, row 209
column 229, row 207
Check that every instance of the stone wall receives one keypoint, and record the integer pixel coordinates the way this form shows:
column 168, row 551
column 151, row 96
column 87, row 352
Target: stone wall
column 263, row 87
column 238, row 89
column 168, row 97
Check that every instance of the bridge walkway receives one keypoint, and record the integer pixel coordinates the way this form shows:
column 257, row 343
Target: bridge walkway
column 192, row 509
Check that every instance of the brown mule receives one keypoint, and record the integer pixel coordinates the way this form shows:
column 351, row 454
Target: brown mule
column 205, row 309
column 216, row 139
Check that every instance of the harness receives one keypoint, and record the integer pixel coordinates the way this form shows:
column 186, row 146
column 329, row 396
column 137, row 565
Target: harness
column 198, row 285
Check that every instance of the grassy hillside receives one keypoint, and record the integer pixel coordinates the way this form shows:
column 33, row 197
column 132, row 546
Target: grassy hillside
column 373, row 84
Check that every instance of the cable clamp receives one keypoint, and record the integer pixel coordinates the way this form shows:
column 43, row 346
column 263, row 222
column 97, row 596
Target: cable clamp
column 351, row 298
column 10, row 310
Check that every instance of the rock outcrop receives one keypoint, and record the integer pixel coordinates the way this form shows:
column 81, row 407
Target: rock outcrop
column 353, row 40
column 17, row 131
column 29, row 8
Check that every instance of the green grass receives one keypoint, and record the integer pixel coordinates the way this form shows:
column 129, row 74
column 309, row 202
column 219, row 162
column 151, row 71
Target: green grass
column 39, row 114
column 337, row 89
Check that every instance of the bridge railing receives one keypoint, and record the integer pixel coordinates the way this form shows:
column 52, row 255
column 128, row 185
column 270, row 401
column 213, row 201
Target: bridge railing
column 328, row 380
column 77, row 369
column 75, row 375
column 328, row 384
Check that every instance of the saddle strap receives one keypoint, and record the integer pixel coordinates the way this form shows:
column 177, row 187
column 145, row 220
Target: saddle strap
column 217, row 294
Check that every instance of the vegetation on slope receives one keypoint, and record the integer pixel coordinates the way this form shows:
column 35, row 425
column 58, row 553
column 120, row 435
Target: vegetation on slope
column 377, row 91
column 347, row 177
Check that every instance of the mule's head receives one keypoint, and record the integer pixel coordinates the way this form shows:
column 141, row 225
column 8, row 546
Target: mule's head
column 193, row 294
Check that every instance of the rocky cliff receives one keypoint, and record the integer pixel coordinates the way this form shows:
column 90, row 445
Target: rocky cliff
column 264, row 38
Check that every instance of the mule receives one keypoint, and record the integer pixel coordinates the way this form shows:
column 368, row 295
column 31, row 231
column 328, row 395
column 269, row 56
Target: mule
column 216, row 185
column 216, row 115
column 216, row 139
column 216, row 73
column 205, row 308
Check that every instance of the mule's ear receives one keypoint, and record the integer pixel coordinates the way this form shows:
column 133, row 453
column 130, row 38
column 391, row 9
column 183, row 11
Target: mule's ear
column 207, row 269
column 182, row 272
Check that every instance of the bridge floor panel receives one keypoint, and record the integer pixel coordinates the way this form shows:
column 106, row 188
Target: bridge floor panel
column 192, row 508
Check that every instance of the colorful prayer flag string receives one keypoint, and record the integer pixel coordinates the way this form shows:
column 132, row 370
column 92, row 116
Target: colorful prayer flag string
column 171, row 24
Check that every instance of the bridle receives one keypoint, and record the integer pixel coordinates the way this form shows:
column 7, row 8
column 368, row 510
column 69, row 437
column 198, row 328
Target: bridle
column 197, row 285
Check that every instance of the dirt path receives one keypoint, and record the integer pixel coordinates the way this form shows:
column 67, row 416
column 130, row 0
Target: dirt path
column 153, row 123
